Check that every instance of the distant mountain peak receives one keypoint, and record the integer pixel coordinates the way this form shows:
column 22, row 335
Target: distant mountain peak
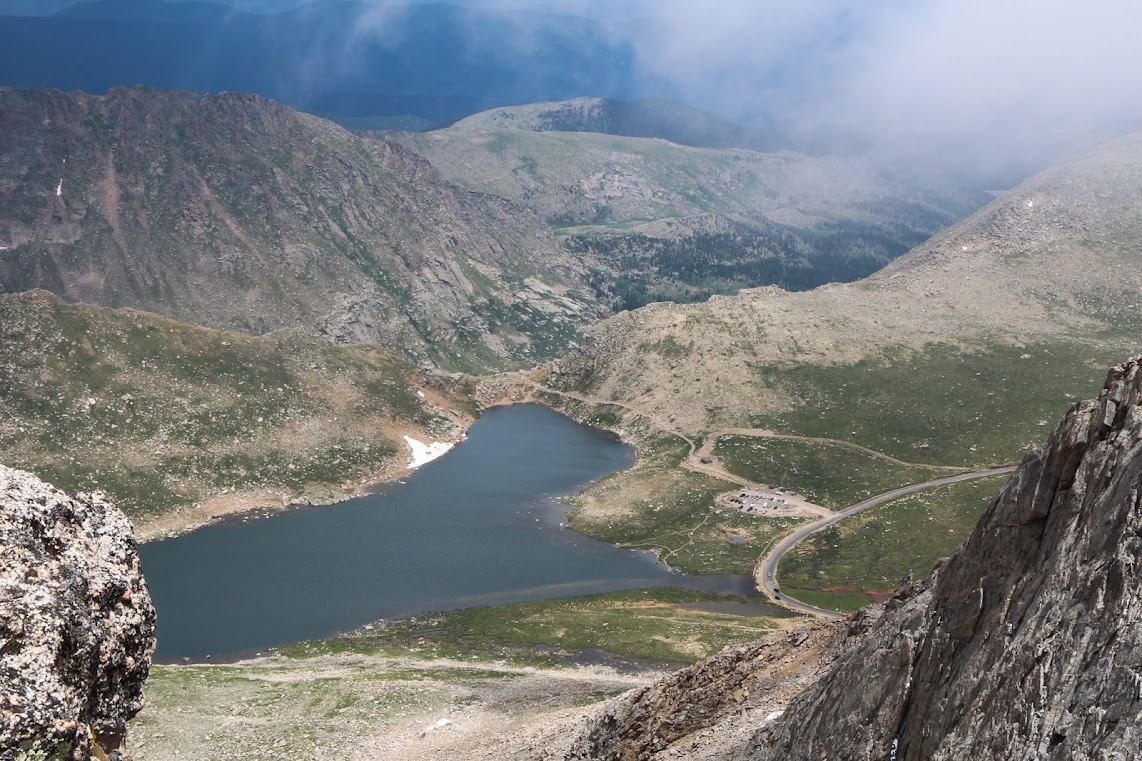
column 645, row 117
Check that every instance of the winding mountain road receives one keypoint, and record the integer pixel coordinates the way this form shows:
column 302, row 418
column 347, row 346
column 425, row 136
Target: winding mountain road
column 694, row 460
column 766, row 572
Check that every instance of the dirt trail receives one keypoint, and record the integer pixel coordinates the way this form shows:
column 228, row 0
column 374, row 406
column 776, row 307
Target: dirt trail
column 694, row 462
column 712, row 439
column 702, row 460
column 540, row 388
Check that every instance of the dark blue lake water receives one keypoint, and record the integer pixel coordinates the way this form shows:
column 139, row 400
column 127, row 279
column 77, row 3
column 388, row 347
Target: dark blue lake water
column 479, row 526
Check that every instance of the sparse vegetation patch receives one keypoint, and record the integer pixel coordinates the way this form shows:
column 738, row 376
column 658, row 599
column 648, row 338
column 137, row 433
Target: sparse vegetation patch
column 943, row 404
column 162, row 416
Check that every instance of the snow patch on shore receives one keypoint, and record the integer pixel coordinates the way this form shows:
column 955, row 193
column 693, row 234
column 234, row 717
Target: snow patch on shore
column 422, row 453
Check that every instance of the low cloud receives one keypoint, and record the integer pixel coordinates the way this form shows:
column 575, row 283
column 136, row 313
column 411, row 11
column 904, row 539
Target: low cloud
column 1006, row 85
column 984, row 86
column 1020, row 82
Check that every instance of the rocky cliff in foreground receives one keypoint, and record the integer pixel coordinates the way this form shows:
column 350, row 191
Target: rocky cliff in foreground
column 78, row 627
column 1025, row 644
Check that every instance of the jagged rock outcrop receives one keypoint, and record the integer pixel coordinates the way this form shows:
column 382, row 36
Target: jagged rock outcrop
column 1025, row 644
column 729, row 693
column 77, row 629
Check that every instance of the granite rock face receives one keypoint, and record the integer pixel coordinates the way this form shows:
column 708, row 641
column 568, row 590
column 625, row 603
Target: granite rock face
column 1025, row 644
column 78, row 628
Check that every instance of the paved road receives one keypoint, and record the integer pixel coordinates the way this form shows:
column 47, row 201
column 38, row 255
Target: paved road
column 767, row 569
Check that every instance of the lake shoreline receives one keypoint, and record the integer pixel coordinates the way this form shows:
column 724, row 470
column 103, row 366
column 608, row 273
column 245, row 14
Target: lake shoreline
column 369, row 540
column 261, row 503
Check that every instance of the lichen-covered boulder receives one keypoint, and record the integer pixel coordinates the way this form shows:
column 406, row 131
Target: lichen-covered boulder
column 77, row 628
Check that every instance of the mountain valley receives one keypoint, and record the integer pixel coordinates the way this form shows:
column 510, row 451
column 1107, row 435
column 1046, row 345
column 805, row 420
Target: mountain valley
column 236, row 213
column 1047, row 263
column 669, row 222
column 215, row 303
column 918, row 363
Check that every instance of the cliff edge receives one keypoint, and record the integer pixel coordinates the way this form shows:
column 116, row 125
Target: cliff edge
column 1024, row 644
column 78, row 628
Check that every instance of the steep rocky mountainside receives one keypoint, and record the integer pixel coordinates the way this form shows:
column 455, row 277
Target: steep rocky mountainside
column 1040, row 286
column 690, row 259
column 235, row 212
column 646, row 117
column 1024, row 644
column 179, row 423
column 658, row 218
column 78, row 628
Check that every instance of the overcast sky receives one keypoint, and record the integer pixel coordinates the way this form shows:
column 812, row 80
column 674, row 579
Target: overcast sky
column 978, row 83
column 973, row 82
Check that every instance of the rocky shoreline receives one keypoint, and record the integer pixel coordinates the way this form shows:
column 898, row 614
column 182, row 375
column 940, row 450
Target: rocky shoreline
column 263, row 502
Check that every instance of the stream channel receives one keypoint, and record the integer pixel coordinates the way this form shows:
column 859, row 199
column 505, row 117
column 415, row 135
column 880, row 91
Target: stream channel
column 481, row 525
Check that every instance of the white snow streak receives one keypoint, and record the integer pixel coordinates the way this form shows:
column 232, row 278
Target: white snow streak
column 422, row 453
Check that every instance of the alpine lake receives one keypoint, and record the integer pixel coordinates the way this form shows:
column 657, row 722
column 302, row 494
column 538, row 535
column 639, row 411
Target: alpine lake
column 481, row 525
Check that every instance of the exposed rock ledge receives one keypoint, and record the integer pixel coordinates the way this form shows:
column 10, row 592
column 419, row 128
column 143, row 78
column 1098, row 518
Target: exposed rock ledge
column 1025, row 644
column 77, row 628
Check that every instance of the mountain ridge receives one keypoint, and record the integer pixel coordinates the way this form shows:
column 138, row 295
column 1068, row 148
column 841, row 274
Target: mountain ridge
column 237, row 212
column 1048, row 261
column 645, row 117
